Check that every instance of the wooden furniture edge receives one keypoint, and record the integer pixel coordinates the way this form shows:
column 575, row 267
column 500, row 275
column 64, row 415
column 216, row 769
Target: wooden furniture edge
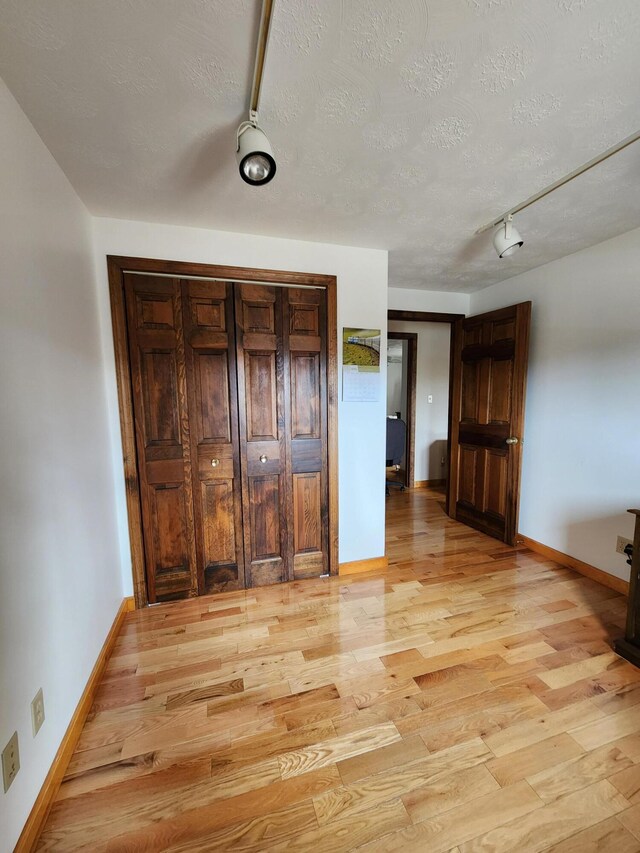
column 589, row 571
column 628, row 651
column 628, row 646
column 40, row 811
column 371, row 564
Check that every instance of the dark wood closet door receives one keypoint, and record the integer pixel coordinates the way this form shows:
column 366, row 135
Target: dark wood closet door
column 490, row 373
column 260, row 365
column 154, row 320
column 209, row 333
column 230, row 403
column 305, row 347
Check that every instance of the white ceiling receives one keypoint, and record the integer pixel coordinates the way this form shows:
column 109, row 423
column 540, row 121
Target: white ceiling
column 402, row 125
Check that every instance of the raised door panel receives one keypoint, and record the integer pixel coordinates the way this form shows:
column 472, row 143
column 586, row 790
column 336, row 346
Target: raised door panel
column 263, row 446
column 467, row 475
column 305, row 396
column 306, row 423
column 211, row 377
column 156, row 349
column 261, row 401
column 213, row 405
column 169, row 544
column 264, row 500
column 159, row 380
column 495, row 496
column 501, row 378
column 470, row 388
column 502, row 330
column 471, row 334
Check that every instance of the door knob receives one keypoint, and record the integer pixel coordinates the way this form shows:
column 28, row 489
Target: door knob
column 215, row 462
column 512, row 440
column 263, row 458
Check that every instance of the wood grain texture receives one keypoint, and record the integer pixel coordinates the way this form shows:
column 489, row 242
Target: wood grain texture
column 489, row 374
column 222, row 575
column 162, row 425
column 465, row 698
column 372, row 564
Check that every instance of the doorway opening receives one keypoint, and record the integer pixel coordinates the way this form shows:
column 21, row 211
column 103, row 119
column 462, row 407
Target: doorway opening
column 418, row 379
column 427, row 340
column 488, row 356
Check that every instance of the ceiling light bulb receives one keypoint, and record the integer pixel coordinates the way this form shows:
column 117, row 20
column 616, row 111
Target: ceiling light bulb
column 255, row 155
column 506, row 238
column 256, row 168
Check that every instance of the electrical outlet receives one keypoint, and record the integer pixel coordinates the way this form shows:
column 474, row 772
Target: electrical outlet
column 37, row 712
column 621, row 543
column 430, row 398
column 10, row 761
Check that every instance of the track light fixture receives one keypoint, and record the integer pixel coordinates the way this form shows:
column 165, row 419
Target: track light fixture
column 254, row 154
column 506, row 238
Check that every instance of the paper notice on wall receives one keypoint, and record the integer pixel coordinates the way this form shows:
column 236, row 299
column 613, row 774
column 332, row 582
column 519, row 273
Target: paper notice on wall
column 360, row 385
column 360, row 365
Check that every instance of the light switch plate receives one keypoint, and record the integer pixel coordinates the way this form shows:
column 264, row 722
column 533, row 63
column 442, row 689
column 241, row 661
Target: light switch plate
column 10, row 761
column 37, row 712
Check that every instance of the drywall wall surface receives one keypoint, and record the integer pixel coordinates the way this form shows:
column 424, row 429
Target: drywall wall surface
column 397, row 363
column 394, row 387
column 432, row 380
column 60, row 584
column 362, row 302
column 403, row 299
column 581, row 464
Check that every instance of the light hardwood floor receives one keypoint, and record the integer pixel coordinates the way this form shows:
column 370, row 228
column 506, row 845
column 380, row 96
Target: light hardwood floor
column 467, row 699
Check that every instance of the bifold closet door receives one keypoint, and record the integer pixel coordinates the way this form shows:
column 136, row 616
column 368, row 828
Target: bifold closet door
column 281, row 345
column 159, row 386
column 260, row 363
column 182, row 352
column 209, row 334
column 230, row 408
column 305, row 350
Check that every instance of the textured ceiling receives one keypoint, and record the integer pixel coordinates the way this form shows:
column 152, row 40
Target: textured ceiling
column 401, row 125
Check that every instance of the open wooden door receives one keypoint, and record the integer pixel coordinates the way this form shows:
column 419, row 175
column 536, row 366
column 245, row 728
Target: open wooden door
column 489, row 375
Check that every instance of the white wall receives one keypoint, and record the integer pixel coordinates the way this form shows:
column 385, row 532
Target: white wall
column 394, row 387
column 404, row 299
column 581, row 465
column 60, row 582
column 432, row 379
column 362, row 302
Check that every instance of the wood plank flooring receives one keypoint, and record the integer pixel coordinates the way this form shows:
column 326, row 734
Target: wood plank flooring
column 466, row 699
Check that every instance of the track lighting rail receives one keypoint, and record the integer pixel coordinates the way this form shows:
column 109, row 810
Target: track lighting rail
column 254, row 154
column 620, row 146
column 261, row 54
